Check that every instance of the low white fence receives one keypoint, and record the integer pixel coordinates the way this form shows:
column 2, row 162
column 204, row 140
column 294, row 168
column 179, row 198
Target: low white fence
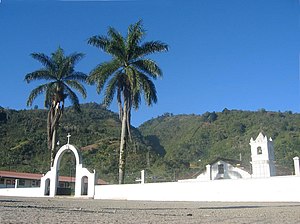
column 285, row 189
column 273, row 189
column 22, row 192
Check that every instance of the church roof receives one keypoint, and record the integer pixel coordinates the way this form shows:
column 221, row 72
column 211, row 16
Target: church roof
column 231, row 161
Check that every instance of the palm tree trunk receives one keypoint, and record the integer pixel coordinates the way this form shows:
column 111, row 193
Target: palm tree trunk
column 49, row 135
column 128, row 124
column 54, row 116
column 122, row 158
column 120, row 105
column 53, row 151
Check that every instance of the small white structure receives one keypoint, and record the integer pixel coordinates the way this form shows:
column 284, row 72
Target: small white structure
column 262, row 154
column 49, row 182
column 223, row 169
column 296, row 166
column 263, row 164
column 142, row 179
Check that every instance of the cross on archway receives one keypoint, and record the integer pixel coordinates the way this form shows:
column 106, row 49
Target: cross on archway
column 68, row 136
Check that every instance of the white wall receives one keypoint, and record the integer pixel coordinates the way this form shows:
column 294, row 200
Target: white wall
column 286, row 188
column 22, row 192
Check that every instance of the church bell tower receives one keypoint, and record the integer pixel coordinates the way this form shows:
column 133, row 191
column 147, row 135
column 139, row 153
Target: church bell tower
column 262, row 154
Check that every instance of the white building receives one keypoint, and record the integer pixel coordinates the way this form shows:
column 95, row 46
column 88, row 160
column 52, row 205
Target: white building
column 263, row 164
column 223, row 169
column 263, row 159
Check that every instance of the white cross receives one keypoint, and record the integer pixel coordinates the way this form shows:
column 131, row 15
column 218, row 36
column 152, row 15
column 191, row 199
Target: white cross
column 68, row 136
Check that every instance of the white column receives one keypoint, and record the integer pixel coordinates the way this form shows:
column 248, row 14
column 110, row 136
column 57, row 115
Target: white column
column 16, row 183
column 142, row 176
column 208, row 172
column 296, row 166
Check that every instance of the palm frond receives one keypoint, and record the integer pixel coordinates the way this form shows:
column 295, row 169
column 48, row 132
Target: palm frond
column 112, row 86
column 149, row 67
column 148, row 89
column 136, row 99
column 36, row 92
column 67, row 65
column 102, row 73
column 39, row 75
column 131, row 76
column 151, row 47
column 78, row 86
column 136, row 32
column 117, row 44
column 130, row 73
column 58, row 56
column 73, row 98
column 101, row 42
column 79, row 76
column 44, row 60
column 65, row 69
column 60, row 70
column 48, row 97
column 115, row 36
column 135, row 35
column 74, row 58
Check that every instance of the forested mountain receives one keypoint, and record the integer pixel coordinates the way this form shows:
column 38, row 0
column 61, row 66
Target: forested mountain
column 193, row 140
column 169, row 147
column 96, row 131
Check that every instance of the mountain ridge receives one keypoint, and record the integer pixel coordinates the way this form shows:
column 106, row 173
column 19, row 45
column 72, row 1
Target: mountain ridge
column 168, row 147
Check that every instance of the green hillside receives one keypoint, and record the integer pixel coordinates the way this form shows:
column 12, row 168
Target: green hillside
column 95, row 131
column 169, row 147
column 192, row 141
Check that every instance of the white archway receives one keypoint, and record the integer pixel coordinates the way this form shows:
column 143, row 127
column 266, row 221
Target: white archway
column 52, row 175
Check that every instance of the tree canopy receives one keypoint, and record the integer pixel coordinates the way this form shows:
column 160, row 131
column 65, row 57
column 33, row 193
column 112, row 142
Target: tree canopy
column 128, row 74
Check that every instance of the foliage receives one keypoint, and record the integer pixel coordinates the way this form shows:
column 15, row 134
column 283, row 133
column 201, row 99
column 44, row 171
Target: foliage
column 61, row 79
column 191, row 139
column 128, row 74
column 95, row 131
column 168, row 147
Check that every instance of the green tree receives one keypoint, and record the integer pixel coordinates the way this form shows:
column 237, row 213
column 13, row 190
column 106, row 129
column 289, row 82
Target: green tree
column 128, row 74
column 61, row 79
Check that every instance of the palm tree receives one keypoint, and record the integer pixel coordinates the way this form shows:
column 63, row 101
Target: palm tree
column 61, row 78
column 128, row 75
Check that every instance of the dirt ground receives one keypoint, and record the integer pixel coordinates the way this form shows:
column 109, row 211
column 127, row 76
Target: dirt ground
column 73, row 210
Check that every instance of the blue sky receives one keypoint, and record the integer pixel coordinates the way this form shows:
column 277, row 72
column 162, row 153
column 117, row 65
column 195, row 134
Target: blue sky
column 235, row 54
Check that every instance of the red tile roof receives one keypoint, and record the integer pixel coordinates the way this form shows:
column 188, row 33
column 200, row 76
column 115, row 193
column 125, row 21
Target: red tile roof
column 18, row 175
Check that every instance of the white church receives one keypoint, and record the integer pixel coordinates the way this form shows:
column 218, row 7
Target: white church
column 221, row 181
column 262, row 164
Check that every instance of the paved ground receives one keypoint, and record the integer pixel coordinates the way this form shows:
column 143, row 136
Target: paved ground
column 71, row 210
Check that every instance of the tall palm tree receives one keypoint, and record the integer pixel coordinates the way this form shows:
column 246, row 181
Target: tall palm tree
column 128, row 74
column 61, row 78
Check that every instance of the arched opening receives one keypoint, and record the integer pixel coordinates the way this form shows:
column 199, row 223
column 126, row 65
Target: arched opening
column 84, row 185
column 259, row 150
column 47, row 187
column 66, row 174
column 221, row 169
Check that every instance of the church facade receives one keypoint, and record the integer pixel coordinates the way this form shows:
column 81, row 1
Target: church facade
column 262, row 163
column 263, row 159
